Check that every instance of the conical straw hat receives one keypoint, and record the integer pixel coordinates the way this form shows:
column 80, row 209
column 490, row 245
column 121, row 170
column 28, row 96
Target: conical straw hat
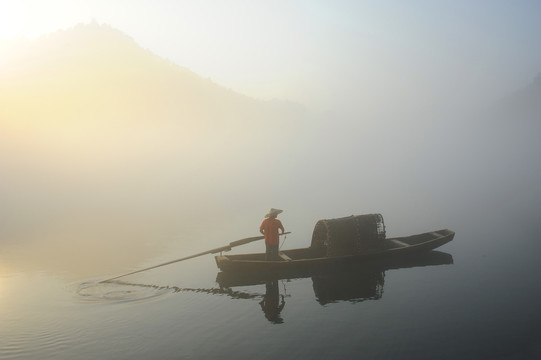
column 273, row 212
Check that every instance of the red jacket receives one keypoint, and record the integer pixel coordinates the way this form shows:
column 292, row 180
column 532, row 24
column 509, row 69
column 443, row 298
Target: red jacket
column 269, row 227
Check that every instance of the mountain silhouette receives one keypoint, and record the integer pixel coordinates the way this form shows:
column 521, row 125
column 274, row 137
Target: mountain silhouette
column 96, row 73
column 522, row 107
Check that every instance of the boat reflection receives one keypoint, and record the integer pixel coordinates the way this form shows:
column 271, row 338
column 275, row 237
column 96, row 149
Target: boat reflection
column 351, row 282
column 348, row 282
column 333, row 287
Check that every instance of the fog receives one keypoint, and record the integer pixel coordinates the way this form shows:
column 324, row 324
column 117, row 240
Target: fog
column 111, row 155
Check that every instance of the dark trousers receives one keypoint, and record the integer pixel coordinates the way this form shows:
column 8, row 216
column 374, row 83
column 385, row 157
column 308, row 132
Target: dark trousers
column 272, row 252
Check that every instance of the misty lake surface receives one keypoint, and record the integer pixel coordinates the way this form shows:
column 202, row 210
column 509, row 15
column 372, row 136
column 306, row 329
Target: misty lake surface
column 476, row 298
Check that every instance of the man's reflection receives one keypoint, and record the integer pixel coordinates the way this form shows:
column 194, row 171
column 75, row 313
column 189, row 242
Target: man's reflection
column 273, row 303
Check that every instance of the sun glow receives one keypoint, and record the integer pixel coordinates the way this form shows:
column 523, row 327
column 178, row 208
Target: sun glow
column 19, row 19
column 8, row 27
column 4, row 274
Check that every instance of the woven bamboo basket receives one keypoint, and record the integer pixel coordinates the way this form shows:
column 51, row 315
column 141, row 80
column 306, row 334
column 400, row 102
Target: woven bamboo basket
column 348, row 235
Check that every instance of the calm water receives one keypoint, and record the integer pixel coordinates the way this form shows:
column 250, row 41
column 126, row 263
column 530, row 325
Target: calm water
column 475, row 298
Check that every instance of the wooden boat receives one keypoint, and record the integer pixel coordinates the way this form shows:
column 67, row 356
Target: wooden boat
column 312, row 257
column 341, row 272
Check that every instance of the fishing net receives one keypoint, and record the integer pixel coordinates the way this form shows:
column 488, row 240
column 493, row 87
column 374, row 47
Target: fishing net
column 348, row 235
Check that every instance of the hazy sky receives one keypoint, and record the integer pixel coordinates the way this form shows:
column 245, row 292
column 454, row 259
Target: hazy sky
column 325, row 54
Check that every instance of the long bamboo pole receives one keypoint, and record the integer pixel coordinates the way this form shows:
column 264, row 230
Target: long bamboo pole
column 213, row 251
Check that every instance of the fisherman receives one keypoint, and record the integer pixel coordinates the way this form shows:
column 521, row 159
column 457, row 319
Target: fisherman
column 269, row 227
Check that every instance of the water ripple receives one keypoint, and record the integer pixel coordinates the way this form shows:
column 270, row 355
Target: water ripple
column 120, row 292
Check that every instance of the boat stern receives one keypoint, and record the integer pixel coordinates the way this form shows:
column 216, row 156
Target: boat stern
column 222, row 262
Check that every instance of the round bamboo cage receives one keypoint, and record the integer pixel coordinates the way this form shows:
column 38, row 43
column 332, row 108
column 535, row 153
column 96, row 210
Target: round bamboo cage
column 348, row 235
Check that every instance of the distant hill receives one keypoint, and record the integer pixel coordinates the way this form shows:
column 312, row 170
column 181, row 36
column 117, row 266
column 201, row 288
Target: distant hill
column 95, row 73
column 524, row 105
column 530, row 95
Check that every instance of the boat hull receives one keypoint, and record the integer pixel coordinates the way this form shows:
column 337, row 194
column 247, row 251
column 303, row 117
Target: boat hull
column 305, row 258
column 346, row 270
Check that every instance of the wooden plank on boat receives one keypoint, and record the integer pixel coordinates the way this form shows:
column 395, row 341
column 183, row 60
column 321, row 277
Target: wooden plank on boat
column 284, row 256
column 400, row 243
